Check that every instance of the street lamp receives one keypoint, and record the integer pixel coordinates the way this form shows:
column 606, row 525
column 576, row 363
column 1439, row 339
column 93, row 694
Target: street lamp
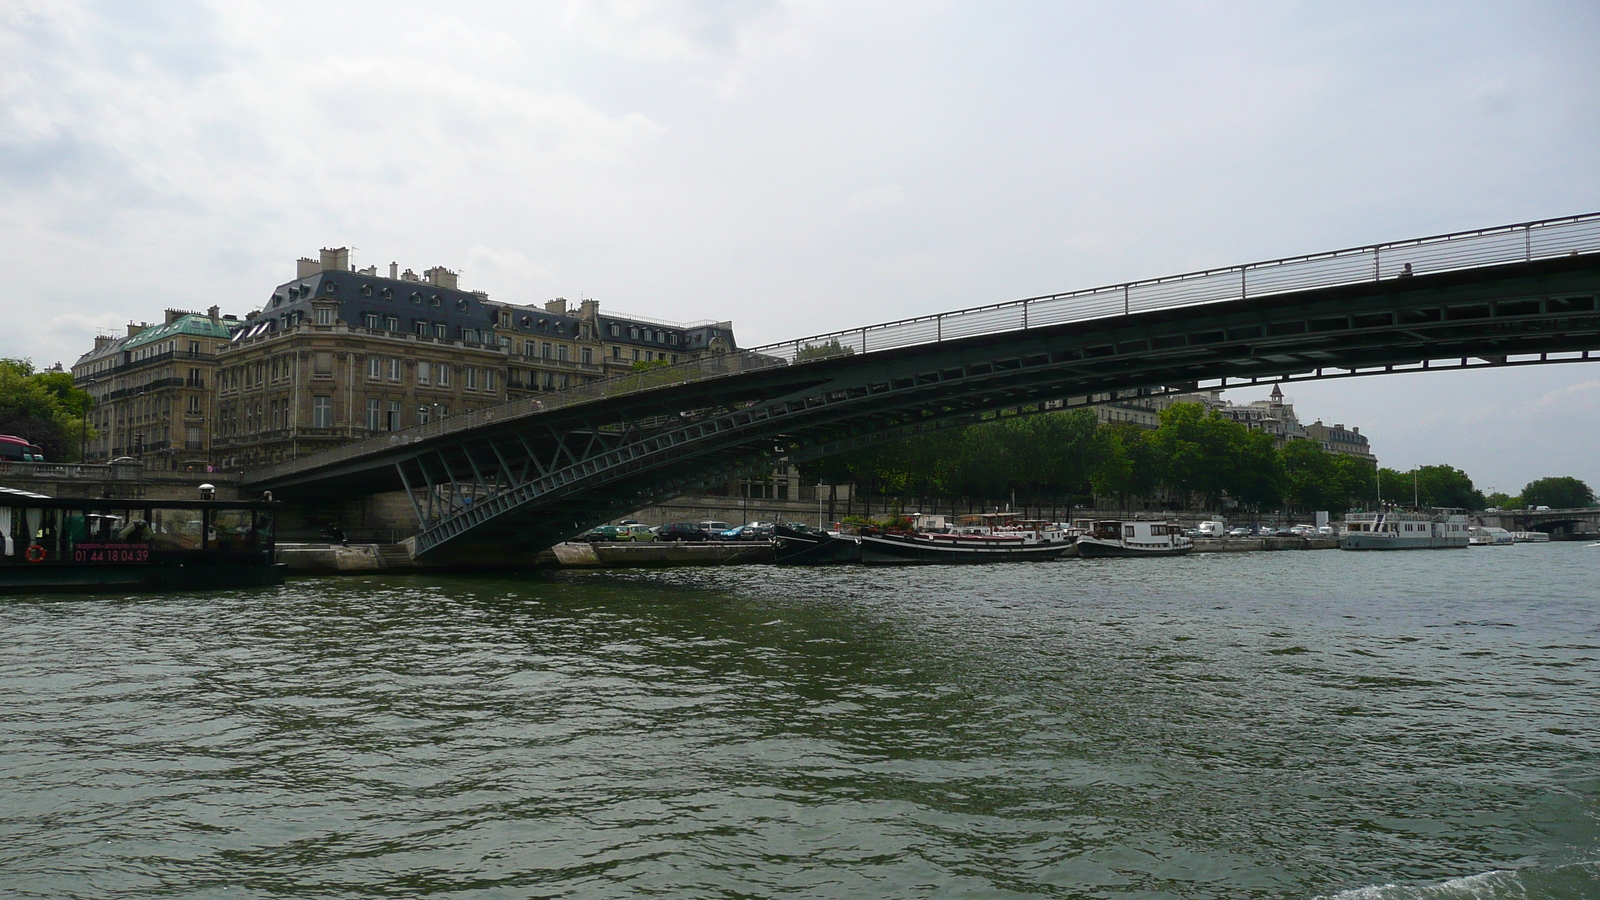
column 821, row 526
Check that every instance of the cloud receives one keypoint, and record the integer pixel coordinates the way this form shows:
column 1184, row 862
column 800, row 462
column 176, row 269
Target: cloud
column 877, row 198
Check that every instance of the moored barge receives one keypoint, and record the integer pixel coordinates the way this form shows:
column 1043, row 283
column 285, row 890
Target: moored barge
column 54, row 544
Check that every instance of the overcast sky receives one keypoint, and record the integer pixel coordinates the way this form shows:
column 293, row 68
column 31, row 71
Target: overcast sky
column 797, row 167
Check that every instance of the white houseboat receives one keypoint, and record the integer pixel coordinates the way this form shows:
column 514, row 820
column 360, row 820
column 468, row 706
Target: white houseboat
column 1489, row 536
column 1398, row 529
column 1122, row 538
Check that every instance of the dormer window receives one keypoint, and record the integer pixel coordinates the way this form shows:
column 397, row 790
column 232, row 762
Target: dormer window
column 416, row 298
column 329, row 287
column 366, row 291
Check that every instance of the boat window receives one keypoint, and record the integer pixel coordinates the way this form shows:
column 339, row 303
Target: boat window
column 234, row 529
column 176, row 529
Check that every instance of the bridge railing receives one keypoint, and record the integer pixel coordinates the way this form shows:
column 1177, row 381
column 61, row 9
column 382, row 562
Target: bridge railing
column 1523, row 242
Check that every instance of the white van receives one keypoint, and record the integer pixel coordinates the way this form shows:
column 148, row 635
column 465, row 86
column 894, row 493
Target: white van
column 1213, row 528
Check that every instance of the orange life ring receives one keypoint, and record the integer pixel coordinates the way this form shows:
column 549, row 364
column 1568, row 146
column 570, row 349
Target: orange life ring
column 35, row 553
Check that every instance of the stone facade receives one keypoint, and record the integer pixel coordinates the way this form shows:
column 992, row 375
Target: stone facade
column 339, row 355
column 154, row 390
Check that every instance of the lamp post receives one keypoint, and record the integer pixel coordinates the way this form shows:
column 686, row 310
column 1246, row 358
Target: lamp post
column 821, row 526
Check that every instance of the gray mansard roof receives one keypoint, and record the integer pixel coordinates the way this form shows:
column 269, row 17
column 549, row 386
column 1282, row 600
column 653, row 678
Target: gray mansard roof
column 360, row 294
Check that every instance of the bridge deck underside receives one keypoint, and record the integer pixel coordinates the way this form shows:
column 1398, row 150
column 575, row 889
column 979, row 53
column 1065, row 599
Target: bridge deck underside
column 538, row 478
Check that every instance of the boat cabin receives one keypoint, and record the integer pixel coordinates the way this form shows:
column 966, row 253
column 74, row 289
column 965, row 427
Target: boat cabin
column 47, row 532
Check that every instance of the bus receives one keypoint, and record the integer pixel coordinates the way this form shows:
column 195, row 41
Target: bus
column 13, row 448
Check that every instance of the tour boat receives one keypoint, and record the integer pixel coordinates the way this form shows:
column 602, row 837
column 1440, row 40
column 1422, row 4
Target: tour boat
column 61, row 544
column 1133, row 538
column 1399, row 529
column 1489, row 536
column 1531, row 537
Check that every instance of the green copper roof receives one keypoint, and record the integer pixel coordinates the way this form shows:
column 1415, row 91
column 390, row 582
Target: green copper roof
column 196, row 326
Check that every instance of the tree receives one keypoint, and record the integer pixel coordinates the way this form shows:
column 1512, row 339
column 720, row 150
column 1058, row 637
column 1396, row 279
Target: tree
column 1440, row 485
column 823, row 350
column 1502, row 500
column 44, row 408
column 1310, row 476
column 1564, row 492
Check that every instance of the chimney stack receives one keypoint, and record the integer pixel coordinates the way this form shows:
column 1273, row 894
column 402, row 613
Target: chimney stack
column 336, row 259
column 214, row 313
column 394, row 271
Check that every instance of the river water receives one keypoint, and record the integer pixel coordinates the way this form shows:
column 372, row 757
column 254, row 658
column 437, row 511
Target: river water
column 1283, row 725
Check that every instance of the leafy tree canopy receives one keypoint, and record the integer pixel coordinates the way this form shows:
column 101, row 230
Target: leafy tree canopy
column 44, row 408
column 1564, row 492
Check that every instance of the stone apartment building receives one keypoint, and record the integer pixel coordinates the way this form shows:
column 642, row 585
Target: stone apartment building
column 1275, row 416
column 339, row 355
column 154, row 389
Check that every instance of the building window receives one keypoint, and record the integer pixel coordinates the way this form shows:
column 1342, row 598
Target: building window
column 394, row 369
column 472, row 378
column 587, row 355
column 529, row 348
column 393, row 422
column 321, row 412
column 422, row 414
column 616, row 352
column 633, row 332
column 441, row 331
column 444, row 375
column 420, row 327
column 488, row 379
column 422, row 372
column 194, row 403
column 374, row 368
column 616, row 331
column 544, row 350
column 324, row 315
column 636, row 354
column 371, row 320
column 391, row 323
column 372, row 415
column 470, row 335
column 561, row 352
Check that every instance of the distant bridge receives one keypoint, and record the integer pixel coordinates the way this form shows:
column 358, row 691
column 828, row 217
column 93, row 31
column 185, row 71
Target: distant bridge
column 532, row 472
column 1558, row 523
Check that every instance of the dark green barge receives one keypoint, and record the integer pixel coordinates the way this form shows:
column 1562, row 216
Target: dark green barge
column 56, row 544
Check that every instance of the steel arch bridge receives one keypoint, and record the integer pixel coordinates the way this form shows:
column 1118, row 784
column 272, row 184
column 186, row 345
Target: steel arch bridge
column 527, row 474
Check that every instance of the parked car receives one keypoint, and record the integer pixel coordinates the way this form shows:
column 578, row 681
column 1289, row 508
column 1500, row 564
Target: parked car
column 714, row 529
column 682, row 531
column 638, row 531
column 754, row 531
column 604, row 533
column 1238, row 532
